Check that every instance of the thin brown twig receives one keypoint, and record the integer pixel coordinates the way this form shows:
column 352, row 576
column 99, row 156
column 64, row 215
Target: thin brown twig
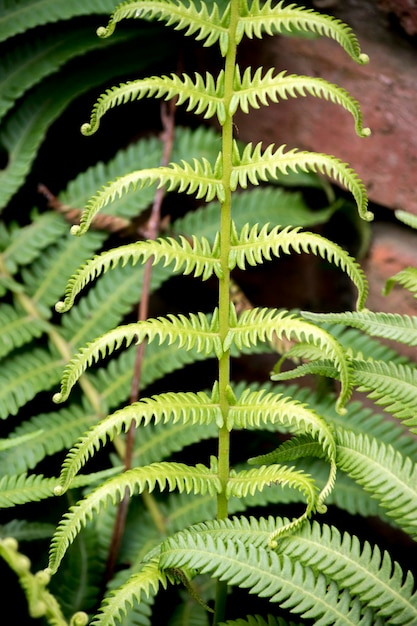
column 151, row 231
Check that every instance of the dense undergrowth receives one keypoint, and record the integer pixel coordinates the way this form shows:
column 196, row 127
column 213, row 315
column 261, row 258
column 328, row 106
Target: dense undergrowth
column 175, row 479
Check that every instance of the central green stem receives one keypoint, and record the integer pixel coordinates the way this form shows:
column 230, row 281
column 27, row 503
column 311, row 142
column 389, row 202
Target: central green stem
column 224, row 288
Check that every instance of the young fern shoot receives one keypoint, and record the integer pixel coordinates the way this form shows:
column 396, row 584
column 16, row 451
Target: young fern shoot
column 229, row 556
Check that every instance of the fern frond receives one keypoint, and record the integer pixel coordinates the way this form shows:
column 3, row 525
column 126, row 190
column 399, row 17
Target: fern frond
column 406, row 278
column 45, row 434
column 371, row 576
column 204, row 96
column 406, row 218
column 22, row 488
column 143, row 584
column 197, row 257
column 28, row 242
column 267, row 574
column 208, row 27
column 254, row 409
column 251, row 246
column 257, row 90
column 46, row 278
column 30, row 61
column 193, row 332
column 249, row 482
column 172, row 407
column 385, row 473
column 23, row 132
column 20, row 16
column 164, row 440
column 198, row 479
column 263, row 324
column 253, row 166
column 401, row 328
column 258, row 18
column 199, row 178
column 17, row 328
column 24, row 375
column 389, row 385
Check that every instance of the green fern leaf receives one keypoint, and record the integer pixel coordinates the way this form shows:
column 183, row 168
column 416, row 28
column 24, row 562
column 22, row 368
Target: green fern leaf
column 23, row 132
column 199, row 178
column 393, row 326
column 199, row 479
column 197, row 257
column 24, row 375
column 108, row 302
column 406, row 218
column 406, row 278
column 386, row 474
column 207, row 27
column 372, row 576
column 163, row 440
column 19, row 16
column 297, row 589
column 196, row 331
column 46, row 434
column 252, row 245
column 17, row 328
column 254, row 409
column 28, row 242
column 205, row 96
column 176, row 407
column 23, row 488
column 139, row 588
column 254, row 166
column 258, row 18
column 29, row 62
column 263, row 324
column 45, row 279
column 391, row 386
column 254, row 480
column 257, row 90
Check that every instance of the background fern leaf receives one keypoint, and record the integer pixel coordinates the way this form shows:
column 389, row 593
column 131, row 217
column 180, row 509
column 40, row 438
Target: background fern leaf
column 385, row 473
column 295, row 588
column 20, row 16
column 261, row 324
column 24, row 375
column 402, row 328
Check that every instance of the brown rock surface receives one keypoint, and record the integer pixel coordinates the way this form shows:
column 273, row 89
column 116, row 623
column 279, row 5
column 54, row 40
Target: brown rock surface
column 386, row 89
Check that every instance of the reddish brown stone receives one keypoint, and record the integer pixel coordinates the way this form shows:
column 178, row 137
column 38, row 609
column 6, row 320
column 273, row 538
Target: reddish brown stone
column 386, row 89
column 405, row 10
column 393, row 248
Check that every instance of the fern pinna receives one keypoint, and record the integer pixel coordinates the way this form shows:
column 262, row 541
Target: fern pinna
column 302, row 566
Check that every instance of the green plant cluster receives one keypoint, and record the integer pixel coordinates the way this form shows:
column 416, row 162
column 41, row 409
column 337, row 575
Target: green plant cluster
column 195, row 532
